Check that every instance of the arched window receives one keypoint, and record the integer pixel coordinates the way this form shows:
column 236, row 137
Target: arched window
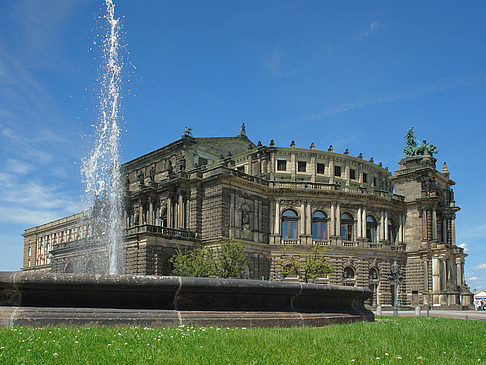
column 319, row 225
column 392, row 231
column 289, row 224
column 347, row 227
column 373, row 286
column 439, row 229
column 373, row 275
column 371, row 228
column 348, row 273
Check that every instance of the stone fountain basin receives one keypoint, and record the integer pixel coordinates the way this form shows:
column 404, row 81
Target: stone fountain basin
column 39, row 299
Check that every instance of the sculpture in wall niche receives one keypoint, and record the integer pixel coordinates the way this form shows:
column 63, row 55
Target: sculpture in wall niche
column 152, row 173
column 170, row 169
column 127, row 182
column 245, row 217
column 141, row 177
column 183, row 164
column 427, row 184
column 414, row 149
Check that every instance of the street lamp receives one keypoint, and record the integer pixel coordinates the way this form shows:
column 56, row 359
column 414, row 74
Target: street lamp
column 397, row 277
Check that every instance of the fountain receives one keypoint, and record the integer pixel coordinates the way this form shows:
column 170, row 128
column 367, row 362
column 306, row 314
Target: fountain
column 101, row 169
column 36, row 298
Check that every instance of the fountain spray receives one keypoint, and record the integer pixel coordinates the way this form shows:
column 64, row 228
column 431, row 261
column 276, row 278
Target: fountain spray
column 101, row 169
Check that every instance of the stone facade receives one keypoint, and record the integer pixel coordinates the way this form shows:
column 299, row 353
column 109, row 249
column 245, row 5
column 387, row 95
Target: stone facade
column 198, row 191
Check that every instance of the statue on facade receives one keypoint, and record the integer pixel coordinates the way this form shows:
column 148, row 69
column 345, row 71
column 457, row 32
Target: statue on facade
column 152, row 173
column 243, row 129
column 127, row 183
column 183, row 164
column 414, row 149
column 141, row 177
column 187, row 132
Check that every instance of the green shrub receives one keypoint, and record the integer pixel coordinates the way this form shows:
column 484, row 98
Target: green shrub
column 305, row 263
column 224, row 260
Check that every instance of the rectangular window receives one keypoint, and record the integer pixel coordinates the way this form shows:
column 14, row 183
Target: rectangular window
column 374, row 181
column 337, row 171
column 241, row 168
column 281, row 165
column 352, row 174
column 320, row 168
column 319, row 230
column 301, row 166
column 365, row 178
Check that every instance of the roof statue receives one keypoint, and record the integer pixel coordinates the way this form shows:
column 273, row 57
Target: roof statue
column 243, row 129
column 187, row 132
column 414, row 149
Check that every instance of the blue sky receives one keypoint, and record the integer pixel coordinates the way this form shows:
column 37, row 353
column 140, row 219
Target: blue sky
column 352, row 74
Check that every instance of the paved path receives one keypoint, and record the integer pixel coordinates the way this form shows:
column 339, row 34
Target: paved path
column 466, row 314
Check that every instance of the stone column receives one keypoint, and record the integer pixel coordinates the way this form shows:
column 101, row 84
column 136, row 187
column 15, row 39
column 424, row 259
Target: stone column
column 459, row 271
column 338, row 220
column 449, row 231
column 332, row 223
column 272, row 166
column 400, row 229
column 453, row 229
column 386, row 226
column 292, row 166
column 429, row 224
column 259, row 163
column 277, row 217
column 424, row 224
column 331, row 171
column 309, row 220
column 313, row 168
column 382, row 224
column 170, row 222
column 435, row 275
column 188, row 214
column 360, row 224
column 443, row 274
column 151, row 210
column 426, row 281
column 363, row 223
column 140, row 214
column 271, row 221
column 434, row 225
column 445, row 238
column 250, row 165
column 346, row 174
column 302, row 219
column 181, row 211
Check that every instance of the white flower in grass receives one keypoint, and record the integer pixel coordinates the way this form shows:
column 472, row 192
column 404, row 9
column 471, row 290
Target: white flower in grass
column 377, row 358
column 386, row 353
column 55, row 354
column 419, row 357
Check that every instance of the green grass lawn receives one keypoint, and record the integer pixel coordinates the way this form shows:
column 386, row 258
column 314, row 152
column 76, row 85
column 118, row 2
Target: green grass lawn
column 389, row 341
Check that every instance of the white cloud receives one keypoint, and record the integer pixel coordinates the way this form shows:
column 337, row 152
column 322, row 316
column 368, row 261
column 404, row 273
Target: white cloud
column 366, row 33
column 464, row 246
column 419, row 90
column 480, row 267
column 473, row 278
column 18, row 167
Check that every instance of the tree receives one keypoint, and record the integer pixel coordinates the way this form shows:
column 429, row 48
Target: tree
column 307, row 264
column 225, row 260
